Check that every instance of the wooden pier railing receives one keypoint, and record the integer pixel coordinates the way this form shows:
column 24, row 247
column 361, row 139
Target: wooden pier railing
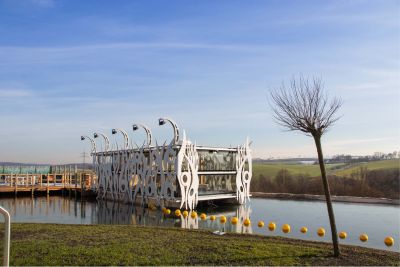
column 82, row 182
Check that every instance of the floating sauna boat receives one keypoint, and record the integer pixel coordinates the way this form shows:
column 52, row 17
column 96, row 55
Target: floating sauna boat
column 179, row 174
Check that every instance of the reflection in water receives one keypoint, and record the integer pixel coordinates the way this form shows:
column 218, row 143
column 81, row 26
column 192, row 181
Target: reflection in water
column 243, row 212
column 189, row 222
column 58, row 209
column 118, row 213
column 378, row 221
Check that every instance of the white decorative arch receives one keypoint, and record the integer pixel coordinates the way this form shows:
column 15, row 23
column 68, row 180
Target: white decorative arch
column 188, row 163
column 243, row 172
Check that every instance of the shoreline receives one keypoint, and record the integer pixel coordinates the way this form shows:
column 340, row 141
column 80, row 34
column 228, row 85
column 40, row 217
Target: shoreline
column 308, row 197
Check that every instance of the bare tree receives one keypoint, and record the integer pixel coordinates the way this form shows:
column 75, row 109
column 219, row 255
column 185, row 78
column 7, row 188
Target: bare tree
column 304, row 107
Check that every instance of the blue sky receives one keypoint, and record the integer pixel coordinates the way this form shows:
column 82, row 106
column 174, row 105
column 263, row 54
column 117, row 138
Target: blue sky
column 69, row 68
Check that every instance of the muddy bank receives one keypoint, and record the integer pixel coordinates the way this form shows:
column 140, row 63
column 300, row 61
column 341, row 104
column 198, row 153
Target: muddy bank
column 351, row 199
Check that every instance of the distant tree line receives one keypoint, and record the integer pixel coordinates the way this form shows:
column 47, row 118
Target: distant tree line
column 360, row 183
column 342, row 158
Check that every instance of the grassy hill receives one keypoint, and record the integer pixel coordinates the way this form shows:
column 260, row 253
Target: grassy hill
column 271, row 169
column 373, row 165
column 340, row 169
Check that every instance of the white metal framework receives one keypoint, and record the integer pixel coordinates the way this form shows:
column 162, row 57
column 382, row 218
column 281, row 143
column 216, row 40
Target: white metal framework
column 179, row 172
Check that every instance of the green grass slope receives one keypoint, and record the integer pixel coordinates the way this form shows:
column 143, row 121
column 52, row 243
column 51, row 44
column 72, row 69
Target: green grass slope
column 373, row 165
column 272, row 169
column 340, row 169
column 52, row 244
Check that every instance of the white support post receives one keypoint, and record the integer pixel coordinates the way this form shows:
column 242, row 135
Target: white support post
column 6, row 245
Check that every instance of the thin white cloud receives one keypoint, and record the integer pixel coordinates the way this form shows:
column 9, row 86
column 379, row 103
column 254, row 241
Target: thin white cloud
column 341, row 12
column 14, row 93
column 349, row 142
column 85, row 54
column 384, row 87
column 382, row 19
column 43, row 3
column 137, row 45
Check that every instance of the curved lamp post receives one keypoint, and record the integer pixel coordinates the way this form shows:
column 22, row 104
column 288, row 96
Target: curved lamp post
column 83, row 137
column 125, row 134
column 106, row 140
column 162, row 121
column 146, row 129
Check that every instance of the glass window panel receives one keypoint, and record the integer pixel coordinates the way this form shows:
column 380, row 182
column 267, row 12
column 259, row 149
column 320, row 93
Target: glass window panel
column 217, row 160
column 217, row 184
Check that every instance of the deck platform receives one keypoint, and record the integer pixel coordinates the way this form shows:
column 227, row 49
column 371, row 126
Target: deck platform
column 16, row 183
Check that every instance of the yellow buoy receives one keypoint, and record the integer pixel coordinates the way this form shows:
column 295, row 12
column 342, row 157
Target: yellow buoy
column 260, row 224
column 286, row 228
column 203, row 216
column 271, row 226
column 234, row 220
column 167, row 211
column 321, row 232
column 164, row 209
column 246, row 222
column 193, row 214
column 389, row 241
column 342, row 235
column 178, row 213
column 212, row 217
column 222, row 219
column 303, row 229
column 185, row 213
column 363, row 237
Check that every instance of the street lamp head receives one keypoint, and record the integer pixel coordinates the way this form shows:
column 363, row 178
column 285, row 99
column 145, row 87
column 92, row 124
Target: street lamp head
column 113, row 131
column 82, row 138
column 161, row 121
column 95, row 135
column 135, row 127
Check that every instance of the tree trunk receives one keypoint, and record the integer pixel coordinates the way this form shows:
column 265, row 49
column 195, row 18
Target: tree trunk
column 336, row 250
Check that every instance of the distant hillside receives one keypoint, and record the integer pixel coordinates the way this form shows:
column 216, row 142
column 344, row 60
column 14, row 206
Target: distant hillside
column 373, row 179
column 4, row 163
column 288, row 160
column 271, row 169
column 373, row 165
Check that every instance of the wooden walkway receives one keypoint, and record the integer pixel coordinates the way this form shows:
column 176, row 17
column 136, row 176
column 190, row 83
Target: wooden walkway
column 14, row 183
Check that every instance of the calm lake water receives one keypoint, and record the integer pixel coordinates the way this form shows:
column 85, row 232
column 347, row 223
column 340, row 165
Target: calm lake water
column 378, row 221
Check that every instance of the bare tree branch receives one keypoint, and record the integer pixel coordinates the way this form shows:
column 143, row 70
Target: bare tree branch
column 303, row 106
